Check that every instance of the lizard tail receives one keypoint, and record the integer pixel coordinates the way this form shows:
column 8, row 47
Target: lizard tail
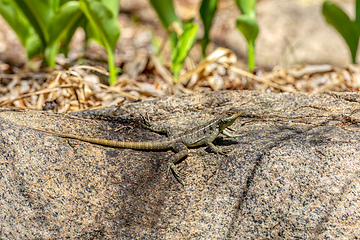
column 150, row 145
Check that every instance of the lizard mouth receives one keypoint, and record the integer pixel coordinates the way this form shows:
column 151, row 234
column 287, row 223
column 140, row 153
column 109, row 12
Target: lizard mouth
column 231, row 116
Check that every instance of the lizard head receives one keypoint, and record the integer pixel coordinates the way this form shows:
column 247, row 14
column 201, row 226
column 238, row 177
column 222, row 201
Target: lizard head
column 228, row 119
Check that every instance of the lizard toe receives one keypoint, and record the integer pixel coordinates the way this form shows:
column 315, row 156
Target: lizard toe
column 224, row 151
column 176, row 171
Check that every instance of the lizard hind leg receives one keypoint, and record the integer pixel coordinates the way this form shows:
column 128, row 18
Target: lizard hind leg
column 181, row 152
column 152, row 127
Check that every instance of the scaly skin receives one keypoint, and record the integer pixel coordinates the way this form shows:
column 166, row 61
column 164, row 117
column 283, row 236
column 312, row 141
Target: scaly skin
column 203, row 134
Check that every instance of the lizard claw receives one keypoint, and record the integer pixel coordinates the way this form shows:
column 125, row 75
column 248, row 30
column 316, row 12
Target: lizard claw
column 176, row 172
column 224, row 151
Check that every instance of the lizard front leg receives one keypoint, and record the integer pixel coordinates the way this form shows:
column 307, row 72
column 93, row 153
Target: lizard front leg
column 181, row 152
column 215, row 149
column 209, row 143
column 228, row 134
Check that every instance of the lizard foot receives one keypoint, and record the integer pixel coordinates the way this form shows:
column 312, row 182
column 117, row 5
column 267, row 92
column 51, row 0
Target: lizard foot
column 176, row 172
column 224, row 151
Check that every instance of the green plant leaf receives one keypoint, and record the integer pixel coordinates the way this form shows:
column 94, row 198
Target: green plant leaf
column 249, row 28
column 64, row 19
column 207, row 12
column 184, row 44
column 66, row 39
column 348, row 29
column 103, row 22
column 20, row 24
column 167, row 15
column 247, row 7
column 173, row 40
column 113, row 6
column 61, row 24
column 105, row 29
column 38, row 13
column 357, row 12
column 166, row 12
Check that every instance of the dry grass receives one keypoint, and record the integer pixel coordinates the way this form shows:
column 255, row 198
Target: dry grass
column 80, row 87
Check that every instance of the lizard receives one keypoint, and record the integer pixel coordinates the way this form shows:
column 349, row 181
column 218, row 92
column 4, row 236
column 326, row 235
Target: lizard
column 199, row 135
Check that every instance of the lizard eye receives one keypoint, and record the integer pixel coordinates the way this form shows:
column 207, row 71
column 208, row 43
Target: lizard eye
column 229, row 114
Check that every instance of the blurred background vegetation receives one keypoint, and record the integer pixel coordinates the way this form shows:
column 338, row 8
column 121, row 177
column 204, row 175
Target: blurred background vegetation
column 156, row 48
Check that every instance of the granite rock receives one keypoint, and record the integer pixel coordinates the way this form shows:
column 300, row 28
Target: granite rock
column 294, row 174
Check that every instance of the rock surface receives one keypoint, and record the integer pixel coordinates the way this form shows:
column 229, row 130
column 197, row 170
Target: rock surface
column 295, row 172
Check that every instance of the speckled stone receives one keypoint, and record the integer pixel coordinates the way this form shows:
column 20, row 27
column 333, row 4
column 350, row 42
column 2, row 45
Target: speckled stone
column 294, row 174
